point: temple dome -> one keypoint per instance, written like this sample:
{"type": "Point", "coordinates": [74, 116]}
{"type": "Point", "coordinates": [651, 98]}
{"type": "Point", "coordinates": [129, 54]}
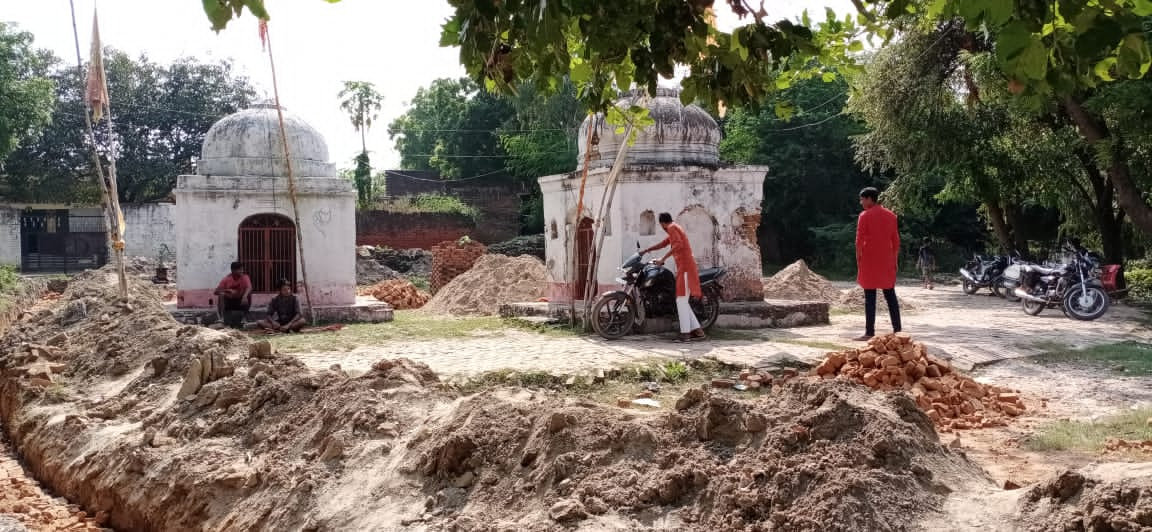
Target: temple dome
{"type": "Point", "coordinates": [248, 143]}
{"type": "Point", "coordinates": [683, 135]}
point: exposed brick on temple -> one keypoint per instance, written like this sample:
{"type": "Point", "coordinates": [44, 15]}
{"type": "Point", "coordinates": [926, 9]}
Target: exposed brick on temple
{"type": "Point", "coordinates": [405, 230]}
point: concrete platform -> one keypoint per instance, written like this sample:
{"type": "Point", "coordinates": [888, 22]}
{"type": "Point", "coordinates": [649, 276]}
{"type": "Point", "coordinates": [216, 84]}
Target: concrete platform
{"type": "Point", "coordinates": [365, 310]}
{"type": "Point", "coordinates": [767, 314]}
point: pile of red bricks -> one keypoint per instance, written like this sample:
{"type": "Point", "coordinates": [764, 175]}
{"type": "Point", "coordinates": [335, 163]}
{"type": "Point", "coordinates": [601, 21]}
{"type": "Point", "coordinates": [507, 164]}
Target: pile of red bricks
{"type": "Point", "coordinates": [22, 499]}
{"type": "Point", "coordinates": [400, 293]}
{"type": "Point", "coordinates": [952, 400]}
{"type": "Point", "coordinates": [453, 258]}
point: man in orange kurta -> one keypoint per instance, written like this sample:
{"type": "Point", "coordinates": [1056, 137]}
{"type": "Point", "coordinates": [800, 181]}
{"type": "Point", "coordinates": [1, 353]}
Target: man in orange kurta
{"type": "Point", "coordinates": [687, 276]}
{"type": "Point", "coordinates": [877, 249]}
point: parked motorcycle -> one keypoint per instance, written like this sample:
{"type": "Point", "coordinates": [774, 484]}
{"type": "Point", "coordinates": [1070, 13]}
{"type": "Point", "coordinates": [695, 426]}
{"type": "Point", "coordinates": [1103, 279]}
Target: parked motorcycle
{"type": "Point", "coordinates": [649, 290]}
{"type": "Point", "coordinates": [983, 272]}
{"type": "Point", "coordinates": [1074, 287]}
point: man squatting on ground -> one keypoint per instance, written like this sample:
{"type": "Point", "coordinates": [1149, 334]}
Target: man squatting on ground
{"type": "Point", "coordinates": [234, 296]}
{"type": "Point", "coordinates": [877, 249]}
{"type": "Point", "coordinates": [687, 276]}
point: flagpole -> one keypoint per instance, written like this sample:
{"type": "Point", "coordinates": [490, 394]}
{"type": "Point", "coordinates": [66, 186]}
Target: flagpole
{"type": "Point", "coordinates": [108, 192]}
{"type": "Point", "coordinates": [109, 197]}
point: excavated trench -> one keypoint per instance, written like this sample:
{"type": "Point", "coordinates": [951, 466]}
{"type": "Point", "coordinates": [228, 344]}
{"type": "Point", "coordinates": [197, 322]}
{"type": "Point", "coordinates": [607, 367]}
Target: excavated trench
{"type": "Point", "coordinates": [24, 502]}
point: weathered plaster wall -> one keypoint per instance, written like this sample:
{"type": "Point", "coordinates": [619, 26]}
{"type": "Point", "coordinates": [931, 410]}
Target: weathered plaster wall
{"type": "Point", "coordinates": [9, 236]}
{"type": "Point", "coordinates": [148, 227]}
{"type": "Point", "coordinates": [209, 211]}
{"type": "Point", "coordinates": [716, 208]}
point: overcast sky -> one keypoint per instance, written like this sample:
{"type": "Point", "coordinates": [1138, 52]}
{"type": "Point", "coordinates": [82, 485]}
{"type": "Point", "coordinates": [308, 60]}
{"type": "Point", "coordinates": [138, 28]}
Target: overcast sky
{"type": "Point", "coordinates": [391, 43]}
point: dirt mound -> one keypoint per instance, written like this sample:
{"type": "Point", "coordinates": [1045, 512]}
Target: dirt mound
{"type": "Point", "coordinates": [798, 282]}
{"type": "Point", "coordinates": [91, 383]}
{"type": "Point", "coordinates": [370, 272]}
{"type": "Point", "coordinates": [951, 399]}
{"type": "Point", "coordinates": [399, 293]}
{"type": "Point", "coordinates": [814, 456]}
{"type": "Point", "coordinates": [1073, 501]}
{"type": "Point", "coordinates": [493, 281]}
{"type": "Point", "coordinates": [852, 300]}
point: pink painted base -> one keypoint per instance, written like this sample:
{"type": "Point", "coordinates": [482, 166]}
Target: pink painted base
{"type": "Point", "coordinates": [562, 292]}
{"type": "Point", "coordinates": [322, 296]}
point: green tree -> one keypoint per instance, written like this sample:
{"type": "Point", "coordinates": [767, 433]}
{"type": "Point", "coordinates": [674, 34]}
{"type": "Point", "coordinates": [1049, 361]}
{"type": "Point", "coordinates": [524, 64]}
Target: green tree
{"type": "Point", "coordinates": [452, 126]}
{"type": "Point", "coordinates": [26, 100]}
{"type": "Point", "coordinates": [162, 113]}
{"type": "Point", "coordinates": [362, 103]}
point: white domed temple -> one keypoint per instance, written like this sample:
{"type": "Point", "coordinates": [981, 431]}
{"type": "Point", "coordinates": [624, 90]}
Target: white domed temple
{"type": "Point", "coordinates": [237, 208]}
{"type": "Point", "coordinates": [673, 166]}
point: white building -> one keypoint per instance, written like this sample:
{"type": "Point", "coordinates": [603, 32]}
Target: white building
{"type": "Point", "coordinates": [237, 207]}
{"type": "Point", "coordinates": [673, 167]}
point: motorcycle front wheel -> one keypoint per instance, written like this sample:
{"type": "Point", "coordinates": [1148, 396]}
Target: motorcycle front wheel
{"type": "Point", "coordinates": [707, 310]}
{"type": "Point", "coordinates": [613, 316]}
{"type": "Point", "coordinates": [969, 287]}
{"type": "Point", "coordinates": [1085, 304]}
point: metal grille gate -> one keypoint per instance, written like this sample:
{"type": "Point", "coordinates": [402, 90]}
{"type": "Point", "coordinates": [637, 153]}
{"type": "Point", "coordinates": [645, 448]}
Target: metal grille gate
{"type": "Point", "coordinates": [268, 250]}
{"type": "Point", "coordinates": [55, 241]}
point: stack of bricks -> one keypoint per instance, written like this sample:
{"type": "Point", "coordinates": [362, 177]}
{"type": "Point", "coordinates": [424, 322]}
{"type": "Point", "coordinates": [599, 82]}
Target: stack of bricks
{"type": "Point", "coordinates": [22, 499]}
{"type": "Point", "coordinates": [450, 259]}
{"type": "Point", "coordinates": [952, 400]}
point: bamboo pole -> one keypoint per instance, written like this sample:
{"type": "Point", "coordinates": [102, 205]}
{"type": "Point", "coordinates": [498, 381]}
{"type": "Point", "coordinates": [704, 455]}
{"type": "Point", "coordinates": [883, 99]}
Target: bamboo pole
{"type": "Point", "coordinates": [291, 182]}
{"type": "Point", "coordinates": [108, 189]}
{"type": "Point", "coordinates": [574, 238]}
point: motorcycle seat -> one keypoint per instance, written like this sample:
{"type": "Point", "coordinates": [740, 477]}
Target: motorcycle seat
{"type": "Point", "coordinates": [1034, 268]}
{"type": "Point", "coordinates": [710, 274]}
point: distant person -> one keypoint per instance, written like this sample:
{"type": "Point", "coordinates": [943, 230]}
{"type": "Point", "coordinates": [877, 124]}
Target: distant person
{"type": "Point", "coordinates": [687, 276]}
{"type": "Point", "coordinates": [926, 262]}
{"type": "Point", "coordinates": [283, 311]}
{"type": "Point", "coordinates": [235, 297]}
{"type": "Point", "coordinates": [877, 250]}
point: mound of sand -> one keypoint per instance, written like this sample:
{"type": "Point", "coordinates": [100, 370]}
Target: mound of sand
{"type": "Point", "coordinates": [798, 282]}
{"type": "Point", "coordinates": [493, 281]}
{"type": "Point", "coordinates": [1071, 500]}
{"type": "Point", "coordinates": [815, 456]}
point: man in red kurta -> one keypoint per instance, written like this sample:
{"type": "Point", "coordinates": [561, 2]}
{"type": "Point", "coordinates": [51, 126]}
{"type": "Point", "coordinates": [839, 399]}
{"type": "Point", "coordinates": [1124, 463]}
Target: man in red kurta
{"type": "Point", "coordinates": [687, 276]}
{"type": "Point", "coordinates": [877, 248]}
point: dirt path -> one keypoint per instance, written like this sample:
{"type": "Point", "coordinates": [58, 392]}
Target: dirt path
{"type": "Point", "coordinates": [971, 330]}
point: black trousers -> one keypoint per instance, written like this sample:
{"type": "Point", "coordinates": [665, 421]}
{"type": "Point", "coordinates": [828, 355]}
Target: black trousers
{"type": "Point", "coordinates": [870, 310]}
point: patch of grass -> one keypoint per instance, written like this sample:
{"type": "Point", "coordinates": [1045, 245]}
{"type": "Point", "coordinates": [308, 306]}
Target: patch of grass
{"type": "Point", "coordinates": [430, 203]}
{"type": "Point", "coordinates": [719, 333]}
{"type": "Point", "coordinates": [406, 325]}
{"type": "Point", "coordinates": [1128, 358]}
{"type": "Point", "coordinates": [1089, 436]}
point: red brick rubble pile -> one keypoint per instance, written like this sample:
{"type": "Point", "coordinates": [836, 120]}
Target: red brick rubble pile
{"type": "Point", "coordinates": [400, 293]}
{"type": "Point", "coordinates": [453, 258]}
{"type": "Point", "coordinates": [895, 362]}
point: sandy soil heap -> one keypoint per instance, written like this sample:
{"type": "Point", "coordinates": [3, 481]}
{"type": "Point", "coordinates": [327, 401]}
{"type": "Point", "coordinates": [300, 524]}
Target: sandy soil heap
{"type": "Point", "coordinates": [813, 456]}
{"type": "Point", "coordinates": [797, 282]}
{"type": "Point", "coordinates": [949, 398]}
{"type": "Point", "coordinates": [1074, 501]}
{"type": "Point", "coordinates": [493, 281]}
{"type": "Point", "coordinates": [400, 293]}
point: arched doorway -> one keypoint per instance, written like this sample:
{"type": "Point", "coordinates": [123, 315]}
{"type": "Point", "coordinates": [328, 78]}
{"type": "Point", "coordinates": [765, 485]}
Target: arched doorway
{"type": "Point", "coordinates": [268, 250]}
{"type": "Point", "coordinates": [584, 237]}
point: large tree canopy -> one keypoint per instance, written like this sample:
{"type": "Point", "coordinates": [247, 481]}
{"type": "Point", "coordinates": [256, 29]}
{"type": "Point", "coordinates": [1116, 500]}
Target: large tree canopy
{"type": "Point", "coordinates": [162, 113]}
{"type": "Point", "coordinates": [25, 90]}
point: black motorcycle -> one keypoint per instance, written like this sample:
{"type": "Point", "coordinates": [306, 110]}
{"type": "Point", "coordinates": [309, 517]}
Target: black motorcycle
{"type": "Point", "coordinates": [983, 272]}
{"type": "Point", "coordinates": [1074, 287]}
{"type": "Point", "coordinates": [649, 290]}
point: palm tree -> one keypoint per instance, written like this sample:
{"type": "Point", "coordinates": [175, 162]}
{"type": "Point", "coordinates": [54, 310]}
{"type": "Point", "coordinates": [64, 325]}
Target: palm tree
{"type": "Point", "coordinates": [362, 103]}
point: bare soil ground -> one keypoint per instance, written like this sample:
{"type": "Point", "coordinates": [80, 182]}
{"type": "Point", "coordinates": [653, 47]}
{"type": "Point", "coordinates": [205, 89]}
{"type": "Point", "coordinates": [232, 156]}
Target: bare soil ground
{"type": "Point", "coordinates": [89, 394]}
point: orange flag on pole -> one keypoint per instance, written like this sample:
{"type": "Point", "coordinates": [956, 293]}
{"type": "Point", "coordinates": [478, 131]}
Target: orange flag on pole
{"type": "Point", "coordinates": [97, 89]}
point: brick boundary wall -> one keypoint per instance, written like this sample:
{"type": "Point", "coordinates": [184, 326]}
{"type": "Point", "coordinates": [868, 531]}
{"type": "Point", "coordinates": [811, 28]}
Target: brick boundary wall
{"type": "Point", "coordinates": [410, 230]}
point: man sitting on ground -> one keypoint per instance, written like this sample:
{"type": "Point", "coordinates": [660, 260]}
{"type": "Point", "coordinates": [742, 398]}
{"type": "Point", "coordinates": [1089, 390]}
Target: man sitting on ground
{"type": "Point", "coordinates": [235, 296]}
{"type": "Point", "coordinates": [284, 311]}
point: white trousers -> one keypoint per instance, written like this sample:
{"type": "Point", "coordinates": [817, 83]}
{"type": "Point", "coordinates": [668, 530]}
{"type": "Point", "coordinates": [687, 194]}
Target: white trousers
{"type": "Point", "coordinates": [688, 321]}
